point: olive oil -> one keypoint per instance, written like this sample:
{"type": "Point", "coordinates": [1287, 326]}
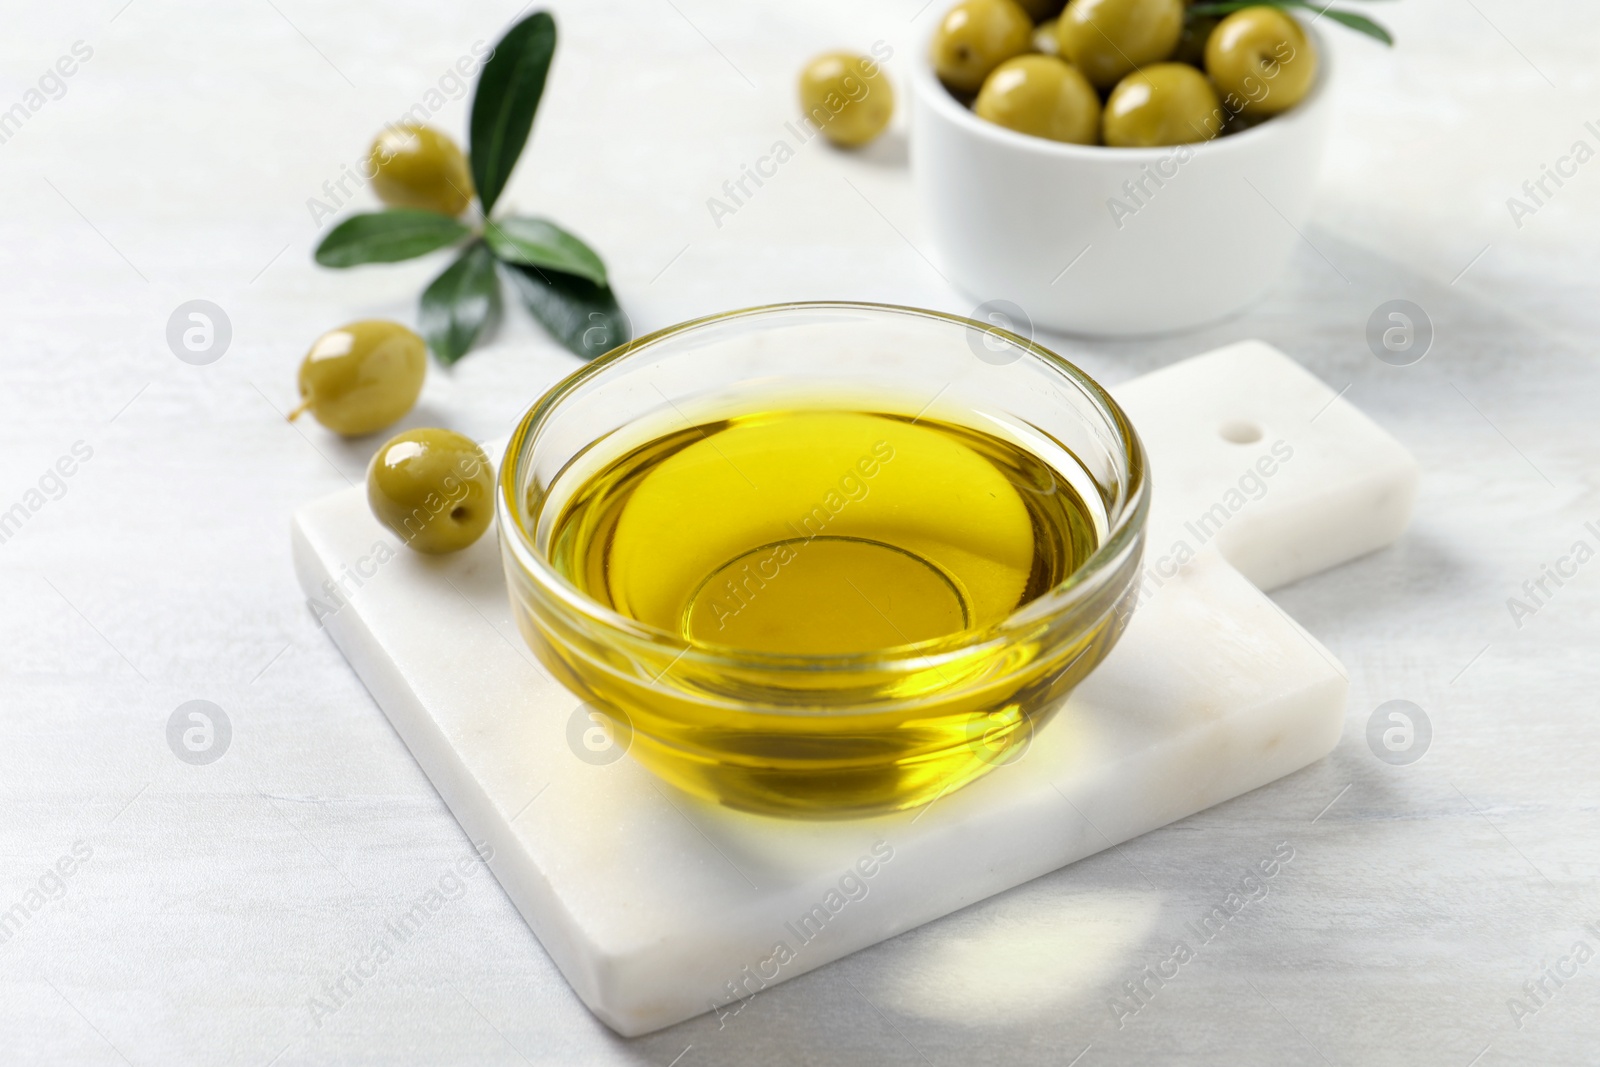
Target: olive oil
{"type": "Point", "coordinates": [821, 533]}
{"type": "Point", "coordinates": [825, 600]}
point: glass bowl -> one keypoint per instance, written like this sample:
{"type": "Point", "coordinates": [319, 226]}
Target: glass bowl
{"type": "Point", "coordinates": [826, 735]}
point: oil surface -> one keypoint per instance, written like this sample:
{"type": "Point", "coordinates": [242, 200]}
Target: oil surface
{"type": "Point", "coordinates": [821, 532]}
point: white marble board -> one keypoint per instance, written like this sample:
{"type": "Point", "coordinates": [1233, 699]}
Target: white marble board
{"type": "Point", "coordinates": [658, 907]}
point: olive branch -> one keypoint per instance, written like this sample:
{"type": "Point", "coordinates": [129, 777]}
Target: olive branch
{"type": "Point", "coordinates": [560, 279]}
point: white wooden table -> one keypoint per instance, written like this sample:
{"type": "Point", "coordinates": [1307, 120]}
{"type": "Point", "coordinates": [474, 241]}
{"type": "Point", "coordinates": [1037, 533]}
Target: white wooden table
{"type": "Point", "coordinates": [227, 912]}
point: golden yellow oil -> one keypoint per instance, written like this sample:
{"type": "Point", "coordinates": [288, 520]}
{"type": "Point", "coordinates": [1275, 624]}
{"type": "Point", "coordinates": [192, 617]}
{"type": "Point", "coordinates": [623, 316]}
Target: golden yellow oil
{"type": "Point", "coordinates": [821, 532]}
{"type": "Point", "coordinates": [863, 535]}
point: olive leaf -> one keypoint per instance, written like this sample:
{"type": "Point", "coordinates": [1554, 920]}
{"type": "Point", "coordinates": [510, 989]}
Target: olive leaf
{"type": "Point", "coordinates": [541, 243]}
{"type": "Point", "coordinates": [1359, 23]}
{"type": "Point", "coordinates": [387, 237]}
{"type": "Point", "coordinates": [459, 304]}
{"type": "Point", "coordinates": [504, 102]}
{"type": "Point", "coordinates": [581, 315]}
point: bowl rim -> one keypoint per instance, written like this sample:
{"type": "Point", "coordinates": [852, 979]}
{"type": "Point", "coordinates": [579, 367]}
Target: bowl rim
{"type": "Point", "coordinates": [1126, 532]}
{"type": "Point", "coordinates": [931, 92]}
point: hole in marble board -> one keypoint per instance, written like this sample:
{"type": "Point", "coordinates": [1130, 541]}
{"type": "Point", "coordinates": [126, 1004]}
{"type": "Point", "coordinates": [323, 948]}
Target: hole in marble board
{"type": "Point", "coordinates": [1240, 432]}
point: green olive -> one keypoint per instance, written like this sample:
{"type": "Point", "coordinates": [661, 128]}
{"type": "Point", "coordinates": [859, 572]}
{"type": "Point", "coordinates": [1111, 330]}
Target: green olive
{"type": "Point", "coordinates": [433, 488]}
{"type": "Point", "coordinates": [417, 166]}
{"type": "Point", "coordinates": [1260, 60]}
{"type": "Point", "coordinates": [977, 36]}
{"type": "Point", "coordinates": [362, 377]}
{"type": "Point", "coordinates": [1044, 38]}
{"type": "Point", "coordinates": [847, 96]}
{"type": "Point", "coordinates": [1043, 96]}
{"type": "Point", "coordinates": [1163, 104]}
{"type": "Point", "coordinates": [1106, 39]}
{"type": "Point", "coordinates": [1191, 47]}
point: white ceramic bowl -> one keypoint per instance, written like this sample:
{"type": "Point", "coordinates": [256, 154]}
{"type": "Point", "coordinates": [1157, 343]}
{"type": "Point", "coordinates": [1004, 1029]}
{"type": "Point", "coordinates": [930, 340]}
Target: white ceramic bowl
{"type": "Point", "coordinates": [1055, 229]}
